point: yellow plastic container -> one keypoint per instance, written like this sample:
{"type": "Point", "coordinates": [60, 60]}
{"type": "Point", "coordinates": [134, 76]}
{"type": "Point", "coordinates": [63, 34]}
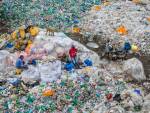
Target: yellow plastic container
{"type": "Point", "coordinates": [21, 42]}
{"type": "Point", "coordinates": [18, 71]}
{"type": "Point", "coordinates": [76, 30]}
{"type": "Point", "coordinates": [29, 42]}
{"type": "Point", "coordinates": [14, 35]}
{"type": "Point", "coordinates": [34, 31]}
{"type": "Point", "coordinates": [134, 48]}
{"type": "Point", "coordinates": [22, 33]}
{"type": "Point", "coordinates": [17, 45]}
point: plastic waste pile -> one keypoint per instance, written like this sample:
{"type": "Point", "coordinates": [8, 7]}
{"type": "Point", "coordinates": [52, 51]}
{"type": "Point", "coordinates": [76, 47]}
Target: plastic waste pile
{"type": "Point", "coordinates": [55, 13]}
{"type": "Point", "coordinates": [116, 20]}
{"type": "Point", "coordinates": [55, 85]}
{"type": "Point", "coordinates": [49, 87]}
{"type": "Point", "coordinates": [64, 95]}
{"type": "Point", "coordinates": [19, 40]}
{"type": "Point", "coordinates": [131, 69]}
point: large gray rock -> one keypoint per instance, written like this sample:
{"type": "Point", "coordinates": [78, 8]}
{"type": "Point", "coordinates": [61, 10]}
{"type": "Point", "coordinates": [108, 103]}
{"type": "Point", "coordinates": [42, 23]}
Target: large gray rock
{"type": "Point", "coordinates": [134, 68]}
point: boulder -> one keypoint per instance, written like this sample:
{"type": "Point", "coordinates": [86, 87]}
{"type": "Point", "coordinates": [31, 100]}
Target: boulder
{"type": "Point", "coordinates": [134, 68]}
{"type": "Point", "coordinates": [60, 51]}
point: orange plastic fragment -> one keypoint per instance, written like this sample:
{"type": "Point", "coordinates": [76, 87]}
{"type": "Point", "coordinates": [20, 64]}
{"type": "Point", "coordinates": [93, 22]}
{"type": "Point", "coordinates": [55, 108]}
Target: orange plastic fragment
{"type": "Point", "coordinates": [122, 30]}
{"type": "Point", "coordinates": [148, 19]}
{"type": "Point", "coordinates": [28, 48]}
{"type": "Point", "coordinates": [136, 1]}
{"type": "Point", "coordinates": [22, 33]}
{"type": "Point", "coordinates": [96, 8]}
{"type": "Point", "coordinates": [48, 92]}
{"type": "Point", "coordinates": [106, 3]}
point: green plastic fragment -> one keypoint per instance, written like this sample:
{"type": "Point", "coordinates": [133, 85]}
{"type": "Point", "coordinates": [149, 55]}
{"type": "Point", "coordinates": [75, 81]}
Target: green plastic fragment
{"type": "Point", "coordinates": [137, 108]}
{"type": "Point", "coordinates": [70, 109]}
{"type": "Point", "coordinates": [30, 98]}
{"type": "Point", "coordinates": [75, 102]}
{"type": "Point", "coordinates": [68, 96]}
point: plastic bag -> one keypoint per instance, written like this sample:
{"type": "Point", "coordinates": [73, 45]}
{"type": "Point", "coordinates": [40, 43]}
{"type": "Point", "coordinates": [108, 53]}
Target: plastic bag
{"type": "Point", "coordinates": [5, 60]}
{"type": "Point", "coordinates": [50, 71]}
{"type": "Point", "coordinates": [30, 75]}
{"type": "Point", "coordinates": [134, 68]}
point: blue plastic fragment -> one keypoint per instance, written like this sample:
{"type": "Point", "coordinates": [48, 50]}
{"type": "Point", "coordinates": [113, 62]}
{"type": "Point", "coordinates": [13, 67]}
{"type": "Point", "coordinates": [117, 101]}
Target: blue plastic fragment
{"type": "Point", "coordinates": [69, 66]}
{"type": "Point", "coordinates": [14, 81]}
{"type": "Point", "coordinates": [88, 62]}
{"type": "Point", "coordinates": [9, 45]}
{"type": "Point", "coordinates": [137, 91]}
{"type": "Point", "coordinates": [2, 88]}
